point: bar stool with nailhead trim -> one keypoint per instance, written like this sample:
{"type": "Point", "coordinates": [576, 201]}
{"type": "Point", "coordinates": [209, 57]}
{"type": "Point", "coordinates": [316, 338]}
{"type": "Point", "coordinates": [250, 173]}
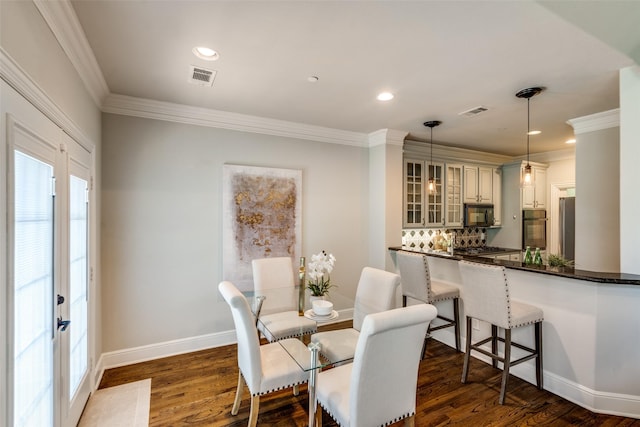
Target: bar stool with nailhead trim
{"type": "Point", "coordinates": [486, 297]}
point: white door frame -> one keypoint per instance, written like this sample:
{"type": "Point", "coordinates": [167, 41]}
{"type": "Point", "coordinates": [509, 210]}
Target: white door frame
{"type": "Point", "coordinates": [15, 102]}
{"type": "Point", "coordinates": [557, 190]}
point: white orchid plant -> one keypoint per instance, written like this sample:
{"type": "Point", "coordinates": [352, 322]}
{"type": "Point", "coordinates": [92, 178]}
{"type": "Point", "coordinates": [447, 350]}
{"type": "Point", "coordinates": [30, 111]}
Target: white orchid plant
{"type": "Point", "coordinates": [319, 272]}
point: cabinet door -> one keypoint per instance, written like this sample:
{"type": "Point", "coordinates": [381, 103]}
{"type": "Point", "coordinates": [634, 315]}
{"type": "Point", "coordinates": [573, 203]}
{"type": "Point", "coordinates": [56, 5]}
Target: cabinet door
{"type": "Point", "coordinates": [453, 204]}
{"type": "Point", "coordinates": [413, 215]}
{"type": "Point", "coordinates": [540, 185]}
{"type": "Point", "coordinates": [534, 196]}
{"type": "Point", "coordinates": [435, 201]}
{"type": "Point", "coordinates": [485, 185]}
{"type": "Point", "coordinates": [470, 184]}
{"type": "Point", "coordinates": [497, 196]}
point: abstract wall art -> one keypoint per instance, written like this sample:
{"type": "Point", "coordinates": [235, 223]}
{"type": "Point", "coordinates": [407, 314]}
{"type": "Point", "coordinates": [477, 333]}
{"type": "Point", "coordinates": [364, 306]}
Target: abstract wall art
{"type": "Point", "coordinates": [261, 218]}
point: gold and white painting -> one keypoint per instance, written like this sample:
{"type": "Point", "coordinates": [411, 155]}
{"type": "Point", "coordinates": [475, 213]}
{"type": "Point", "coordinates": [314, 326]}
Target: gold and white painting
{"type": "Point", "coordinates": [261, 218]}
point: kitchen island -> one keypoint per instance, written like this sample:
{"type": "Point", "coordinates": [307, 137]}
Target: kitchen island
{"type": "Point", "coordinates": [591, 329]}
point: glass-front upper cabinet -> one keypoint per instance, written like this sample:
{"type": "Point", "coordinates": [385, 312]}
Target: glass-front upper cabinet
{"type": "Point", "coordinates": [422, 207]}
{"type": "Point", "coordinates": [434, 195]}
{"type": "Point", "coordinates": [453, 204]}
{"type": "Point", "coordinates": [413, 193]}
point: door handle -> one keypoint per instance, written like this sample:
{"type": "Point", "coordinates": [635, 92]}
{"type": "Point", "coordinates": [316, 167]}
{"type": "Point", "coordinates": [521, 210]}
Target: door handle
{"type": "Point", "coordinates": [63, 324]}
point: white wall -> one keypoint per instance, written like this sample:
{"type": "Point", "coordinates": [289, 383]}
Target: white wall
{"type": "Point", "coordinates": [629, 170]}
{"type": "Point", "coordinates": [598, 200]}
{"type": "Point", "coordinates": [161, 228]}
{"type": "Point", "coordinates": [26, 37]}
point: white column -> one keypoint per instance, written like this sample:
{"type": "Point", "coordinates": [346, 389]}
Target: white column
{"type": "Point", "coordinates": [629, 169]}
{"type": "Point", "coordinates": [597, 191]}
{"type": "Point", "coordinates": [385, 195]}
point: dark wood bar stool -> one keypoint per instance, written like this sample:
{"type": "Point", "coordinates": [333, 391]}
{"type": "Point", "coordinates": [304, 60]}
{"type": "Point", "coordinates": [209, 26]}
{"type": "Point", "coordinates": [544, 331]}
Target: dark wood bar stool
{"type": "Point", "coordinates": [416, 282]}
{"type": "Point", "coordinates": [486, 297]}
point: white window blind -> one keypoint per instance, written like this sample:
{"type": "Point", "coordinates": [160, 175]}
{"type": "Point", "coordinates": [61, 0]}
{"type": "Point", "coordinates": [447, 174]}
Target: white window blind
{"type": "Point", "coordinates": [33, 292]}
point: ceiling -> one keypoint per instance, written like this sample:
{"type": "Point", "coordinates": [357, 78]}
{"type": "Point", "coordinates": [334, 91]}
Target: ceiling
{"type": "Point", "coordinates": [439, 58]}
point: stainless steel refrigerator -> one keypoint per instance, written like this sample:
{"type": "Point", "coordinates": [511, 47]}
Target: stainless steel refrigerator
{"type": "Point", "coordinates": [567, 227]}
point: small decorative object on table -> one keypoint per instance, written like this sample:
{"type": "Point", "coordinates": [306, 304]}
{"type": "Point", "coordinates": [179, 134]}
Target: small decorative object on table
{"type": "Point", "coordinates": [319, 270]}
{"type": "Point", "coordinates": [301, 274]}
{"type": "Point", "coordinates": [322, 308]}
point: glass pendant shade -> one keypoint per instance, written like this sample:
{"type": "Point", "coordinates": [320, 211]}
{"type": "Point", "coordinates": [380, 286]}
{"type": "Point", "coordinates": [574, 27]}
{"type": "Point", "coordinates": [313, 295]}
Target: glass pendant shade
{"type": "Point", "coordinates": [431, 185]}
{"type": "Point", "coordinates": [527, 178]}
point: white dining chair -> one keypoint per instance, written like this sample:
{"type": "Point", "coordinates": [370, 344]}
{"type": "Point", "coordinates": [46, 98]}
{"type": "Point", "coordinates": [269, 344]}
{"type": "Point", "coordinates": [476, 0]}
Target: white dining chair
{"type": "Point", "coordinates": [376, 292]}
{"type": "Point", "coordinates": [279, 318]}
{"type": "Point", "coordinates": [265, 368]}
{"type": "Point", "coordinates": [417, 284]}
{"type": "Point", "coordinates": [379, 387]}
{"type": "Point", "coordinates": [486, 297]}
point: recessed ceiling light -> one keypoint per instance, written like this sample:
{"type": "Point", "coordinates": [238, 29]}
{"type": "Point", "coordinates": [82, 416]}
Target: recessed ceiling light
{"type": "Point", "coordinates": [313, 79]}
{"type": "Point", "coordinates": [534, 132]}
{"type": "Point", "coordinates": [570, 141]}
{"type": "Point", "coordinates": [385, 96]}
{"type": "Point", "coordinates": [205, 53]}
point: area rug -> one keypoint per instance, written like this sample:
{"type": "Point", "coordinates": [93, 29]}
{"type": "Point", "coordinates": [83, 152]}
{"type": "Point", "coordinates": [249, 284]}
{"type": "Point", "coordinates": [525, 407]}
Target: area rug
{"type": "Point", "coordinates": [123, 405]}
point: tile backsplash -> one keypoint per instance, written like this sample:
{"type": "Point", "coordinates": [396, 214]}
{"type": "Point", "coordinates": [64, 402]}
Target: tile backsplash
{"type": "Point", "coordinates": [424, 238]}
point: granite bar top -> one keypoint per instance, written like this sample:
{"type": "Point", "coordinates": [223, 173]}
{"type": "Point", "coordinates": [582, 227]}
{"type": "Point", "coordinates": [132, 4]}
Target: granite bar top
{"type": "Point", "coordinates": [568, 272]}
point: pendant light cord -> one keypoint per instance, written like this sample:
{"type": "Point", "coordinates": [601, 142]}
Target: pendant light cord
{"type": "Point", "coordinates": [528, 128]}
{"type": "Point", "coordinates": [431, 161]}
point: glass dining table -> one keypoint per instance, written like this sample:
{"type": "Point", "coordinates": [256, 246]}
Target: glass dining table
{"type": "Point", "coordinates": [278, 300]}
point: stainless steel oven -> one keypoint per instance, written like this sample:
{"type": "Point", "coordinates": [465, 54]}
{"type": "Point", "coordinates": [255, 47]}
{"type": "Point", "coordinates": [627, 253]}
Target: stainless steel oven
{"type": "Point", "coordinates": [534, 228]}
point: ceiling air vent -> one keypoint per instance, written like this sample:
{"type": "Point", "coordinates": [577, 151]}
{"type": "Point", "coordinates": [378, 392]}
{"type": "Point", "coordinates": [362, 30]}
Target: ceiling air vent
{"type": "Point", "coordinates": [201, 76]}
{"type": "Point", "coordinates": [474, 111]}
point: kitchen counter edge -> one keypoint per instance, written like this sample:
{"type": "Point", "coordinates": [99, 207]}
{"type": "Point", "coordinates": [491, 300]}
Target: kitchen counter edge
{"type": "Point", "coordinates": [591, 276]}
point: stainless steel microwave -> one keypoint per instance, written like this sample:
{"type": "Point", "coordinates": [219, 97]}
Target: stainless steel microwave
{"type": "Point", "coordinates": [478, 215]}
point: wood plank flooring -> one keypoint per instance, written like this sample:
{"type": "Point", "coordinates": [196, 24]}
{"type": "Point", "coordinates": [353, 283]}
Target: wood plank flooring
{"type": "Point", "coordinates": [197, 389]}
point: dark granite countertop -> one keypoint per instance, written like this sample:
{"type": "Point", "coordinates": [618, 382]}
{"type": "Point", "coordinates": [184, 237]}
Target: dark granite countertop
{"type": "Point", "coordinates": [571, 273]}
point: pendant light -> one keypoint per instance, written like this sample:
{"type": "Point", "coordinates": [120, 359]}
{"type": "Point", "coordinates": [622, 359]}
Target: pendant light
{"type": "Point", "coordinates": [431, 184]}
{"type": "Point", "coordinates": [527, 179]}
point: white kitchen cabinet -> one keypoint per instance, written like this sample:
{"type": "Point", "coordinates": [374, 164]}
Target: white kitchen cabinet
{"type": "Point", "coordinates": [535, 196]}
{"type": "Point", "coordinates": [497, 196]}
{"type": "Point", "coordinates": [453, 201]}
{"type": "Point", "coordinates": [422, 209]}
{"type": "Point", "coordinates": [478, 184]}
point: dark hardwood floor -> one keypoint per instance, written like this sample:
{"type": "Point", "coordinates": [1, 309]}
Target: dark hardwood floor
{"type": "Point", "coordinates": [197, 389]}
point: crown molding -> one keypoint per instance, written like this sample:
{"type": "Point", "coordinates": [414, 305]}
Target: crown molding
{"type": "Point", "coordinates": [63, 22]}
{"type": "Point", "coordinates": [386, 137]}
{"type": "Point", "coordinates": [179, 113]}
{"type": "Point", "coordinates": [18, 79]}
{"type": "Point", "coordinates": [594, 122]}
{"type": "Point", "coordinates": [421, 150]}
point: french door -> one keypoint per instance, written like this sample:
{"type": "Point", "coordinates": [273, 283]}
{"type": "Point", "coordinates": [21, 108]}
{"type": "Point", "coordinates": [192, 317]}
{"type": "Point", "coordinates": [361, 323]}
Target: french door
{"type": "Point", "coordinates": [47, 288]}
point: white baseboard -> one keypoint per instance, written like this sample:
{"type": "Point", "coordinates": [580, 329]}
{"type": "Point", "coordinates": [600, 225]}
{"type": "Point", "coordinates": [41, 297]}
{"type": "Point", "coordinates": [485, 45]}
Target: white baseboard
{"type": "Point", "coordinates": [623, 405]}
{"type": "Point", "coordinates": [129, 356]}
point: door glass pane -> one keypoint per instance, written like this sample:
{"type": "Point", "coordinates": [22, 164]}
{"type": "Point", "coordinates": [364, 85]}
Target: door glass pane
{"type": "Point", "coordinates": [33, 292]}
{"type": "Point", "coordinates": [78, 252]}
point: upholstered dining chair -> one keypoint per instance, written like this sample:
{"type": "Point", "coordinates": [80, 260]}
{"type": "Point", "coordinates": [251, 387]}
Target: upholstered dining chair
{"type": "Point", "coordinates": [265, 368]}
{"type": "Point", "coordinates": [379, 387]}
{"type": "Point", "coordinates": [279, 318]}
{"type": "Point", "coordinates": [416, 283]}
{"type": "Point", "coordinates": [376, 292]}
{"type": "Point", "coordinates": [486, 297]}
